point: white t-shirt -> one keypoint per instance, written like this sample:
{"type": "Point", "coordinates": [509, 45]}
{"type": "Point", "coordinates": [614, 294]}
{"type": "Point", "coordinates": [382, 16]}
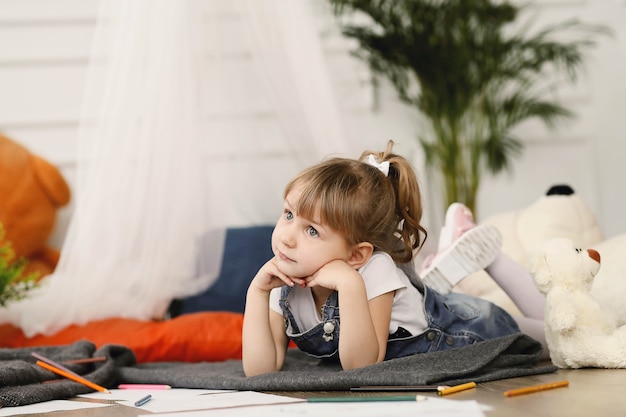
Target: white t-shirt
{"type": "Point", "coordinates": [381, 275]}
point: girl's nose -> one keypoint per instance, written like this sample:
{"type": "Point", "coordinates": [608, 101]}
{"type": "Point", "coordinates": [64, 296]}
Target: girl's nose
{"type": "Point", "coordinates": [287, 237]}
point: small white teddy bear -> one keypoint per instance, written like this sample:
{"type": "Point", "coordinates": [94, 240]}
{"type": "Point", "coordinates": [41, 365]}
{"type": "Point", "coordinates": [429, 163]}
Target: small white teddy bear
{"type": "Point", "coordinates": [579, 332]}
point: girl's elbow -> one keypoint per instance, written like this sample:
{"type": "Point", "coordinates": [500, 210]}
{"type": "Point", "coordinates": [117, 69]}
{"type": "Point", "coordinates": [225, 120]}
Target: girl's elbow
{"type": "Point", "coordinates": [257, 370]}
{"type": "Point", "coordinates": [252, 372]}
{"type": "Point", "coordinates": [381, 355]}
{"type": "Point", "coordinates": [360, 362]}
{"type": "Point", "coordinates": [258, 367]}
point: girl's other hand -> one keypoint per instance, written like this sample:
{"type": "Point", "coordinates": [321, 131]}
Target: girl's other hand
{"type": "Point", "coordinates": [331, 275]}
{"type": "Point", "coordinates": [269, 277]}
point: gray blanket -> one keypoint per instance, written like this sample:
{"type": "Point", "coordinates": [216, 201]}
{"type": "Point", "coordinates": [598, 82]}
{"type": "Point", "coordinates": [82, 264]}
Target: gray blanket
{"type": "Point", "coordinates": [505, 357]}
{"type": "Point", "coordinates": [23, 382]}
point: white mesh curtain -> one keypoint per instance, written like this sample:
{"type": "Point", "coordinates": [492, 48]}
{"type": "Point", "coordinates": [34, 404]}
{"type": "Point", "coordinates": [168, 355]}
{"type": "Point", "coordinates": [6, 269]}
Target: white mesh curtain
{"type": "Point", "coordinates": [196, 114]}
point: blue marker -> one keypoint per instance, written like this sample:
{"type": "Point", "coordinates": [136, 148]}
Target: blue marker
{"type": "Point", "coordinates": [143, 400]}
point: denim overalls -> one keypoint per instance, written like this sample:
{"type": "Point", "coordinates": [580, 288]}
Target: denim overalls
{"type": "Point", "coordinates": [454, 320]}
{"type": "Point", "coordinates": [322, 341]}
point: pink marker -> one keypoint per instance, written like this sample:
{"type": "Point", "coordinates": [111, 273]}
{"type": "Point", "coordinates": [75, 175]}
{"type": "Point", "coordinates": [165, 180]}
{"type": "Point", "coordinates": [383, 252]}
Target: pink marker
{"type": "Point", "coordinates": [144, 386]}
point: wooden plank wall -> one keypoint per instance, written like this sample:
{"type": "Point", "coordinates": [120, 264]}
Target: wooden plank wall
{"type": "Point", "coordinates": [44, 49]}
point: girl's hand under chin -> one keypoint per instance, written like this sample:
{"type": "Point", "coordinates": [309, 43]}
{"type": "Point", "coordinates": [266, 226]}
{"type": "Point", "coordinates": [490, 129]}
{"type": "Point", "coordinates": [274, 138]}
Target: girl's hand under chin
{"type": "Point", "coordinates": [270, 277]}
{"type": "Point", "coordinates": [331, 274]}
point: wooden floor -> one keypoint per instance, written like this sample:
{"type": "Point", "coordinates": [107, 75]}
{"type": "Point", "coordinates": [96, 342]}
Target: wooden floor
{"type": "Point", "coordinates": [591, 392]}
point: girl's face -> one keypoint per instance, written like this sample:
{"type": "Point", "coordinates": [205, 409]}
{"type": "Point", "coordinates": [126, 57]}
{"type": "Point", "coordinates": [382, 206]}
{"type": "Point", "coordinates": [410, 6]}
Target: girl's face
{"type": "Point", "coordinates": [302, 246]}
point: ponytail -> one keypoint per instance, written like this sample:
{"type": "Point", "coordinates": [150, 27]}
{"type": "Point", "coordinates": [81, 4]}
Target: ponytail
{"type": "Point", "coordinates": [408, 203]}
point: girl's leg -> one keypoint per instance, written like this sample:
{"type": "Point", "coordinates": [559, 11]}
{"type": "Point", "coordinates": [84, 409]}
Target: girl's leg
{"type": "Point", "coordinates": [519, 285]}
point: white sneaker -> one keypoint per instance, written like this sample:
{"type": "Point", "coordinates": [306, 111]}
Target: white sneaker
{"type": "Point", "coordinates": [463, 249]}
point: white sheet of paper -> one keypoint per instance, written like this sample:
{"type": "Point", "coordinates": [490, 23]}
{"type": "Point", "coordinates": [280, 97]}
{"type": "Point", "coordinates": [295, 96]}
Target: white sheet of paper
{"type": "Point", "coordinates": [211, 401]}
{"type": "Point", "coordinates": [433, 407]}
{"type": "Point", "coordinates": [135, 394]}
{"type": "Point", "coordinates": [47, 406]}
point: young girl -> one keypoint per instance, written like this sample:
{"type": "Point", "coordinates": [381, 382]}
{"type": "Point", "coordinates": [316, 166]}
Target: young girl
{"type": "Point", "coordinates": [342, 284]}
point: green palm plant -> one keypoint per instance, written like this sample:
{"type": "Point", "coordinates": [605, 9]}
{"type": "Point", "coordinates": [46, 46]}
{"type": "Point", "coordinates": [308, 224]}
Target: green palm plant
{"type": "Point", "coordinates": [473, 71]}
{"type": "Point", "coordinates": [14, 285]}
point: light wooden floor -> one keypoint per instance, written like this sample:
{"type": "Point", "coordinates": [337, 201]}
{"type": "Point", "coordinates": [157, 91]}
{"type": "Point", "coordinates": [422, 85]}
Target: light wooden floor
{"type": "Point", "coordinates": [591, 392]}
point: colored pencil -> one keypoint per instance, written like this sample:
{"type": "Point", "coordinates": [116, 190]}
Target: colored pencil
{"type": "Point", "coordinates": [86, 360]}
{"type": "Point", "coordinates": [73, 377]}
{"type": "Point", "coordinates": [535, 388]}
{"type": "Point", "coordinates": [399, 388]}
{"type": "Point", "coordinates": [457, 388]}
{"type": "Point", "coordinates": [144, 386]}
{"type": "Point", "coordinates": [365, 399]}
{"type": "Point", "coordinates": [53, 363]}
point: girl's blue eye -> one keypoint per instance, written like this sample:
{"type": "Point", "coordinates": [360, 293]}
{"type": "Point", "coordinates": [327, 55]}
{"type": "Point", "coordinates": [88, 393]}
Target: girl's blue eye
{"type": "Point", "coordinates": [288, 215]}
{"type": "Point", "coordinates": [312, 231]}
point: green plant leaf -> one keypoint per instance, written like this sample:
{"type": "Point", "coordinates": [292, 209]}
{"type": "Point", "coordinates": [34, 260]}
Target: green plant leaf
{"type": "Point", "coordinates": [475, 69]}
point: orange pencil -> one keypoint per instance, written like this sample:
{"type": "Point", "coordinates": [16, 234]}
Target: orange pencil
{"type": "Point", "coordinates": [456, 388]}
{"type": "Point", "coordinates": [535, 388]}
{"type": "Point", "coordinates": [74, 378]}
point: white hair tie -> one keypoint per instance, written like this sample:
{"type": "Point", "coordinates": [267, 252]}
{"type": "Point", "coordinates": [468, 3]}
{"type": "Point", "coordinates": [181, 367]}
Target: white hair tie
{"type": "Point", "coordinates": [382, 166]}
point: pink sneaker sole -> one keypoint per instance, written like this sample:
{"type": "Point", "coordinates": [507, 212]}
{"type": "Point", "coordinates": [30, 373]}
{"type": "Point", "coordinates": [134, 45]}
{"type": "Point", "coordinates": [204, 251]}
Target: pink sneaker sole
{"type": "Point", "coordinates": [473, 251]}
{"type": "Point", "coordinates": [459, 219]}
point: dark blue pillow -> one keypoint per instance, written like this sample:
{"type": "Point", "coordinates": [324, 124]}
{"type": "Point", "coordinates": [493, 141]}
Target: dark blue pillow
{"type": "Point", "coordinates": [246, 249]}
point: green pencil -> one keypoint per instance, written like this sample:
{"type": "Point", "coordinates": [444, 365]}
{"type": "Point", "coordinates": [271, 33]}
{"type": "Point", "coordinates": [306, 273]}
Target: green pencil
{"type": "Point", "coordinates": [362, 399]}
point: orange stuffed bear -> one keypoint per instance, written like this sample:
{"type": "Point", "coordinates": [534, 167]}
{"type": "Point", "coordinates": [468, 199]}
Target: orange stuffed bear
{"type": "Point", "coordinates": [31, 191]}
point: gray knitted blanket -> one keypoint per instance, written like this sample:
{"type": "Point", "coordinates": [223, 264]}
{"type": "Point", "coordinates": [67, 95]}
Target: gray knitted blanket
{"type": "Point", "coordinates": [23, 382]}
{"type": "Point", "coordinates": [506, 357]}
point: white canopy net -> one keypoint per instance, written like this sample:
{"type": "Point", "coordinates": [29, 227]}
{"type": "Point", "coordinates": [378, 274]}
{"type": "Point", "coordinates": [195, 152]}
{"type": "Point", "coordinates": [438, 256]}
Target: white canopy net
{"type": "Point", "coordinates": [170, 152]}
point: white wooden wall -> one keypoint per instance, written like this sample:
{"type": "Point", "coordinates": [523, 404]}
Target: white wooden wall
{"type": "Point", "coordinates": [44, 48]}
{"type": "Point", "coordinates": [589, 152]}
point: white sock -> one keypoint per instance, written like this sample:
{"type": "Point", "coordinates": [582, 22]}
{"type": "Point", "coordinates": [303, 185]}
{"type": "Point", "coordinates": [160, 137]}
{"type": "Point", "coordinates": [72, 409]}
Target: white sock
{"type": "Point", "coordinates": [519, 285]}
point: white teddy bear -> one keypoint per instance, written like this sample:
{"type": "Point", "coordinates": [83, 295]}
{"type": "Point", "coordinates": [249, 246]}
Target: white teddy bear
{"type": "Point", "coordinates": [579, 331]}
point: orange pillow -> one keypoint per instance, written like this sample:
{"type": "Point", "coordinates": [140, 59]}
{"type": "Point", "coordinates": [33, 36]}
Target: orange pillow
{"type": "Point", "coordinates": [205, 336]}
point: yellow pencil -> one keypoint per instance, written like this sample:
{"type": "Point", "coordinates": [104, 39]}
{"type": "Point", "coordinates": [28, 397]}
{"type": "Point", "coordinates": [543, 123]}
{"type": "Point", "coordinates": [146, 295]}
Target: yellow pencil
{"type": "Point", "coordinates": [456, 388]}
{"type": "Point", "coordinates": [535, 388]}
{"type": "Point", "coordinates": [74, 378]}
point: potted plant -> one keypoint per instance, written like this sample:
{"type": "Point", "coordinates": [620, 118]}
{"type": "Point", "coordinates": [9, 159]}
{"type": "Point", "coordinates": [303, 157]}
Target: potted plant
{"type": "Point", "coordinates": [473, 71]}
{"type": "Point", "coordinates": [14, 285]}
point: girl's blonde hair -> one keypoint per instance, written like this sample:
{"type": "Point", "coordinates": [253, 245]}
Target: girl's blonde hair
{"type": "Point", "coordinates": [359, 201]}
